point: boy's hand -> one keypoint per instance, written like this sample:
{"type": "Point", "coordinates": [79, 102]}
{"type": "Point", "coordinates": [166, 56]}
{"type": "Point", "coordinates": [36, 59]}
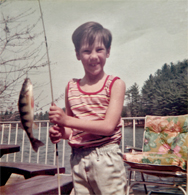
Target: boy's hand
{"type": "Point", "coordinates": [55, 134]}
{"type": "Point", "coordinates": [57, 115]}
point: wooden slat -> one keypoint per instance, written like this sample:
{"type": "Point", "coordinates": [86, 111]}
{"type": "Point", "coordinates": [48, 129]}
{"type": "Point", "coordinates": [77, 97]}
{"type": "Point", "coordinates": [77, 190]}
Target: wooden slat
{"type": "Point", "coordinates": [8, 148]}
{"type": "Point", "coordinates": [39, 185]}
{"type": "Point", "coordinates": [28, 170]}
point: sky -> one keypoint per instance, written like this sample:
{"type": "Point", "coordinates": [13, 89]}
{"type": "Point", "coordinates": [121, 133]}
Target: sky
{"type": "Point", "coordinates": [146, 35]}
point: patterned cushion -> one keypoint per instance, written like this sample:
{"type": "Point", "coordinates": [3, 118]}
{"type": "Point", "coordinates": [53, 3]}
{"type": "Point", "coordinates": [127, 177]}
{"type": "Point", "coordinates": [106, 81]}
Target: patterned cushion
{"type": "Point", "coordinates": [165, 142]}
{"type": "Point", "coordinates": [168, 134]}
{"type": "Point", "coordinates": [153, 158]}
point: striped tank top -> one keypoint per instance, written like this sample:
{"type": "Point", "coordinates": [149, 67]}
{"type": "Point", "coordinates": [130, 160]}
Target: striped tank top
{"type": "Point", "coordinates": [91, 106]}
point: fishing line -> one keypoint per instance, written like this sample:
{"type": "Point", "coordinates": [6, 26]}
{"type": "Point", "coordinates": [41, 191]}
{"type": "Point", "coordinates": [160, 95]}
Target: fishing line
{"type": "Point", "coordinates": [49, 69]}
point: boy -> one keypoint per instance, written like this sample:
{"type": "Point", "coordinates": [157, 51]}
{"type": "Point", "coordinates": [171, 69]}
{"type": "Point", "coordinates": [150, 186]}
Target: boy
{"type": "Point", "coordinates": [92, 120]}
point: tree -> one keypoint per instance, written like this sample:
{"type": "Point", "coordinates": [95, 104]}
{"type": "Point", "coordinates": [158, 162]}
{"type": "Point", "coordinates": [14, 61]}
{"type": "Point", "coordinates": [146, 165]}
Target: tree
{"type": "Point", "coordinates": [133, 97]}
{"type": "Point", "coordinates": [149, 97]}
{"type": "Point", "coordinates": [166, 93]}
{"type": "Point", "coordinates": [46, 115]}
{"type": "Point", "coordinates": [20, 53]}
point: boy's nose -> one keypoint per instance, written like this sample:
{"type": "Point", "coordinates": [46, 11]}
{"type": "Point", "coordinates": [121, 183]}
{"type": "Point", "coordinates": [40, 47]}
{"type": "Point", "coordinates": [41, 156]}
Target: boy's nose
{"type": "Point", "coordinates": [93, 55]}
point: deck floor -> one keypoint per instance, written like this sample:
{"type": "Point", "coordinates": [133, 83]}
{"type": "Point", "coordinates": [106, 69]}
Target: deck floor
{"type": "Point", "coordinates": [137, 190]}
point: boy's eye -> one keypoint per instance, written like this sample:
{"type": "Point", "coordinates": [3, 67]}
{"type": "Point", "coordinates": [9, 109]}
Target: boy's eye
{"type": "Point", "coordinates": [100, 49]}
{"type": "Point", "coordinates": [86, 51]}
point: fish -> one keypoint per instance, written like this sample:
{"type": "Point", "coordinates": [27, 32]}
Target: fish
{"type": "Point", "coordinates": [26, 111]}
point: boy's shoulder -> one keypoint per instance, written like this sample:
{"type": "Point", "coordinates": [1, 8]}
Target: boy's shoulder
{"type": "Point", "coordinates": [73, 80]}
{"type": "Point", "coordinates": [115, 79]}
{"type": "Point", "coordinates": [112, 77]}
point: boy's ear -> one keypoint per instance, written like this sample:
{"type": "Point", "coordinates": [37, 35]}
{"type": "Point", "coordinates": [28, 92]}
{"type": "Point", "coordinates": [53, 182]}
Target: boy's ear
{"type": "Point", "coordinates": [77, 55]}
{"type": "Point", "coordinates": [108, 52]}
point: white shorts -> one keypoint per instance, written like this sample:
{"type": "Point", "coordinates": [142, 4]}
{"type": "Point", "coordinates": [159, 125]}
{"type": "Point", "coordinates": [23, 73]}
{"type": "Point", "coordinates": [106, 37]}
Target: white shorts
{"type": "Point", "coordinates": [98, 171]}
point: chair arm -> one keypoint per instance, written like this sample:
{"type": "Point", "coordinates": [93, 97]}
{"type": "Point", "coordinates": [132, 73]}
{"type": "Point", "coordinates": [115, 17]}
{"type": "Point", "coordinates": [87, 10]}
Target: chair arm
{"type": "Point", "coordinates": [131, 148]}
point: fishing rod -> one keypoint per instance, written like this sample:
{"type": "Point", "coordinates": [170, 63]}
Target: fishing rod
{"type": "Point", "coordinates": [49, 70]}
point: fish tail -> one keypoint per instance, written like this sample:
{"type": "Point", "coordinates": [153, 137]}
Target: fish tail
{"type": "Point", "coordinates": [36, 144]}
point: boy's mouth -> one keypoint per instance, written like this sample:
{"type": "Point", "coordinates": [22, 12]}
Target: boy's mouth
{"type": "Point", "coordinates": [93, 65]}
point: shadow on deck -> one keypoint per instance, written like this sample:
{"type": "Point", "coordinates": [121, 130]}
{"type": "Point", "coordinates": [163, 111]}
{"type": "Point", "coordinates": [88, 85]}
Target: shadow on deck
{"type": "Point", "coordinates": [137, 189]}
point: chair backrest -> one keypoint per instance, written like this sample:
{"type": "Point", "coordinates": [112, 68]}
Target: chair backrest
{"type": "Point", "coordinates": [166, 134]}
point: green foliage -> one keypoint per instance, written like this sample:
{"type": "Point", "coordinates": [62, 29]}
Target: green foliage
{"type": "Point", "coordinates": [166, 93]}
{"type": "Point", "coordinates": [133, 97]}
{"type": "Point", "coordinates": [41, 116]}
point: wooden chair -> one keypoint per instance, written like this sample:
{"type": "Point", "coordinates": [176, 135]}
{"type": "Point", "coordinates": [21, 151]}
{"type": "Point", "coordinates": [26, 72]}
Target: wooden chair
{"type": "Point", "coordinates": [164, 152]}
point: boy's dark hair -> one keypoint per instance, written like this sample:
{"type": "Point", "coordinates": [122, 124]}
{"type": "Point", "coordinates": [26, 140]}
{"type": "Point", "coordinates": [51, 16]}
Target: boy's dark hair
{"type": "Point", "coordinates": [88, 32]}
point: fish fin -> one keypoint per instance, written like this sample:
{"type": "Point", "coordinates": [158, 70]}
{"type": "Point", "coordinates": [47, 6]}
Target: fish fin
{"type": "Point", "coordinates": [36, 144]}
{"type": "Point", "coordinates": [21, 125]}
{"type": "Point", "coordinates": [35, 126]}
{"type": "Point", "coordinates": [32, 102]}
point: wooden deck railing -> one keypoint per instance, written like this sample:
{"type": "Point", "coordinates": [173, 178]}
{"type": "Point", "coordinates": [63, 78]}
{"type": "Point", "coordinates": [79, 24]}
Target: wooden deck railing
{"type": "Point", "coordinates": [11, 133]}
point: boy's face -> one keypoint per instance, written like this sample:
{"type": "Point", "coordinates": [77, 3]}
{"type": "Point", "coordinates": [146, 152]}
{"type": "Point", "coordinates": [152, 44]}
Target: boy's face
{"type": "Point", "coordinates": [93, 57]}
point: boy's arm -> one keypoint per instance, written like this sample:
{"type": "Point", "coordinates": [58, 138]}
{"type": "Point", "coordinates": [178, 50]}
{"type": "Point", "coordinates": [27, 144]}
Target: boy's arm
{"type": "Point", "coordinates": [100, 127]}
{"type": "Point", "coordinates": [69, 113]}
{"type": "Point", "coordinates": [56, 132]}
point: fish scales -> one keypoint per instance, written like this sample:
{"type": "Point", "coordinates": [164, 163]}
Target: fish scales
{"type": "Point", "coordinates": [26, 110]}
